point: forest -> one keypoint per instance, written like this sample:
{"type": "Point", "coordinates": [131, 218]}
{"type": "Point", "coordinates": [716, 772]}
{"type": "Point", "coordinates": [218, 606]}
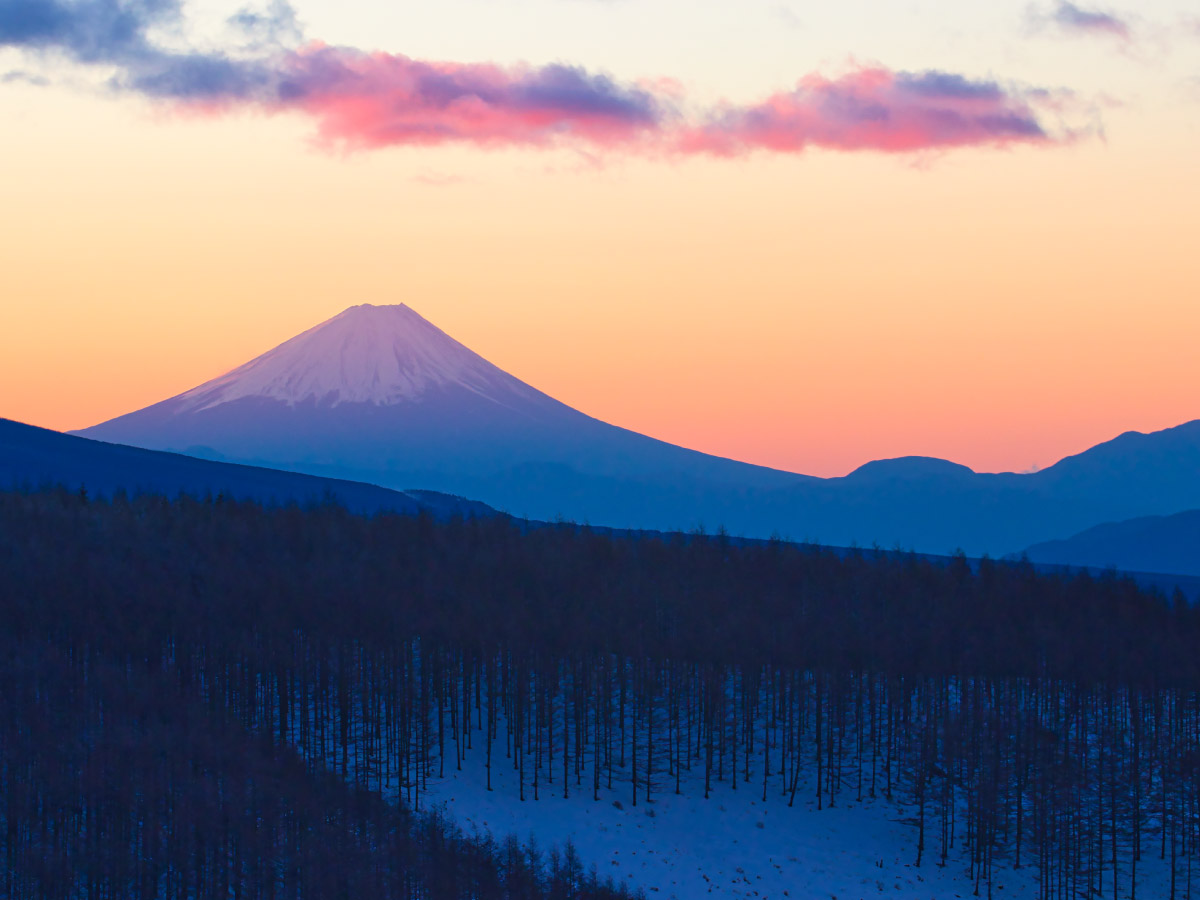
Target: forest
{"type": "Point", "coordinates": [201, 697]}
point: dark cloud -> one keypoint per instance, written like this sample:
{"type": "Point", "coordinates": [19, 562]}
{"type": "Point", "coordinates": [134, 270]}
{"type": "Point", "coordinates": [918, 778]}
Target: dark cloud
{"type": "Point", "coordinates": [198, 77]}
{"type": "Point", "coordinates": [118, 33]}
{"type": "Point", "coordinates": [947, 85]}
{"type": "Point", "coordinates": [572, 88]}
{"type": "Point", "coordinates": [90, 31]}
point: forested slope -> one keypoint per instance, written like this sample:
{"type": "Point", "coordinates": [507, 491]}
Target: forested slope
{"type": "Point", "coordinates": [38, 456]}
{"type": "Point", "coordinates": [1030, 720]}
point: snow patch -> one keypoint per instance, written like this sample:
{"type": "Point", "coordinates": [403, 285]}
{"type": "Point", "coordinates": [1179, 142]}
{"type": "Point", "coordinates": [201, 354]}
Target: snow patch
{"type": "Point", "coordinates": [735, 845]}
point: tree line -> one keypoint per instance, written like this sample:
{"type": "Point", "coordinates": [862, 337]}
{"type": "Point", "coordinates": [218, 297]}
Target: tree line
{"type": "Point", "coordinates": [172, 665]}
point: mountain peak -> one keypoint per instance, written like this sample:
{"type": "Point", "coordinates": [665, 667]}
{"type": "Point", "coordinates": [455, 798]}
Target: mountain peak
{"type": "Point", "coordinates": [370, 354]}
{"type": "Point", "coordinates": [909, 468]}
{"type": "Point", "coordinates": [367, 307]}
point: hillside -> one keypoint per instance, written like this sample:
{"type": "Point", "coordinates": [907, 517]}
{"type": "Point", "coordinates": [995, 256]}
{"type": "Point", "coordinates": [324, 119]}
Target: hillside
{"type": "Point", "coordinates": [34, 457]}
{"type": "Point", "coordinates": [1146, 544]}
{"type": "Point", "coordinates": [965, 730]}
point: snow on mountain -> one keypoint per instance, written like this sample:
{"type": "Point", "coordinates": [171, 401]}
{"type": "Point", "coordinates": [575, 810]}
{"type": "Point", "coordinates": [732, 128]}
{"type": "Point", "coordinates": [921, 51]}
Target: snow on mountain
{"type": "Point", "coordinates": [379, 355]}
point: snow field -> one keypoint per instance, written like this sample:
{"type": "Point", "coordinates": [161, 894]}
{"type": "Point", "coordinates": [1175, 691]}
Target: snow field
{"type": "Point", "coordinates": [732, 845]}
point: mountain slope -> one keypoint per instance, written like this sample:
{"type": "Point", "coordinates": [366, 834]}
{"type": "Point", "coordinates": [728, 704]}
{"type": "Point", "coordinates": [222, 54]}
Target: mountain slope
{"type": "Point", "coordinates": [379, 394]}
{"type": "Point", "coordinates": [1146, 544]}
{"type": "Point", "coordinates": [35, 456]}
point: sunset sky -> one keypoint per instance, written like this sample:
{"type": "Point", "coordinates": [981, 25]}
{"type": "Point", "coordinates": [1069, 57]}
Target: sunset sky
{"type": "Point", "coordinates": [802, 235]}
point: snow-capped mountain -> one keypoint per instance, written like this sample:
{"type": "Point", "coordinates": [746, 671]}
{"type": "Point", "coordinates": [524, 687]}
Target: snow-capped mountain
{"type": "Point", "coordinates": [380, 395]}
{"type": "Point", "coordinates": [378, 355]}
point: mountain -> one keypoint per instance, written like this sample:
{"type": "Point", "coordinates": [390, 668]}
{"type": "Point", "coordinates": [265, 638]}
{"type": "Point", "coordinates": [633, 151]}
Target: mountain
{"type": "Point", "coordinates": [1146, 544]}
{"type": "Point", "coordinates": [379, 394]}
{"type": "Point", "coordinates": [34, 457]}
{"type": "Point", "coordinates": [934, 506]}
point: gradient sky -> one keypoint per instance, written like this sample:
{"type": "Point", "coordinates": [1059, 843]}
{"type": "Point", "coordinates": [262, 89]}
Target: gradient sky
{"type": "Point", "coordinates": [803, 235]}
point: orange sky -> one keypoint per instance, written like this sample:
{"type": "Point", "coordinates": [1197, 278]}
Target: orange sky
{"type": "Point", "coordinates": [1001, 308]}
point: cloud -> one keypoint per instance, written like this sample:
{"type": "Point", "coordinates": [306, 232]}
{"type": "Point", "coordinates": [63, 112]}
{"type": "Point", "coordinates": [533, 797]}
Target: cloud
{"type": "Point", "coordinates": [358, 99]}
{"type": "Point", "coordinates": [1074, 19]}
{"type": "Point", "coordinates": [1091, 21]}
{"type": "Point", "coordinates": [118, 33]}
{"type": "Point", "coordinates": [874, 109]}
{"type": "Point", "coordinates": [380, 99]}
{"type": "Point", "coordinates": [90, 31]}
{"type": "Point", "coordinates": [16, 76]}
{"type": "Point", "coordinates": [276, 26]}
{"type": "Point", "coordinates": [785, 15]}
{"type": "Point", "coordinates": [361, 100]}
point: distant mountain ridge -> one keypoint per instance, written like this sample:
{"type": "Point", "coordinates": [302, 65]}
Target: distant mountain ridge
{"type": "Point", "coordinates": [378, 394]}
{"type": "Point", "coordinates": [1146, 544]}
{"type": "Point", "coordinates": [36, 457]}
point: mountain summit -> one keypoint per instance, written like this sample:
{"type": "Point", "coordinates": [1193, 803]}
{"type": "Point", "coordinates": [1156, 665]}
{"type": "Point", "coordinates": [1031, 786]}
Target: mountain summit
{"type": "Point", "coordinates": [379, 355]}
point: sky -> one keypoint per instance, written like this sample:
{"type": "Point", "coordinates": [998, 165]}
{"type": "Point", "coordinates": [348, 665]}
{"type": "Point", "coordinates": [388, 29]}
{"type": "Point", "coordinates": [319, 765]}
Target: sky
{"type": "Point", "coordinates": [802, 235]}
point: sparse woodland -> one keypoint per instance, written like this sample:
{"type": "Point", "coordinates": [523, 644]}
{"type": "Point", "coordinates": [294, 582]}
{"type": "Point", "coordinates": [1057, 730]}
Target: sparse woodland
{"type": "Point", "coordinates": [207, 698]}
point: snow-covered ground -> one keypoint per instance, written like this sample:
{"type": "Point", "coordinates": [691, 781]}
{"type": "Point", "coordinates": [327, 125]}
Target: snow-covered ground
{"type": "Point", "coordinates": [732, 845]}
{"type": "Point", "coordinates": [735, 844]}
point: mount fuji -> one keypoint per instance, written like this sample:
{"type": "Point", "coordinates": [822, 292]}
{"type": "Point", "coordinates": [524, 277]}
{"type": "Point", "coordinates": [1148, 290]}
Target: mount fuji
{"type": "Point", "coordinates": [380, 395]}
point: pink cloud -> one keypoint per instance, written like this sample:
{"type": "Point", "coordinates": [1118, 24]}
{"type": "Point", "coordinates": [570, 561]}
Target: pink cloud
{"type": "Point", "coordinates": [380, 99]}
{"type": "Point", "coordinates": [872, 109]}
